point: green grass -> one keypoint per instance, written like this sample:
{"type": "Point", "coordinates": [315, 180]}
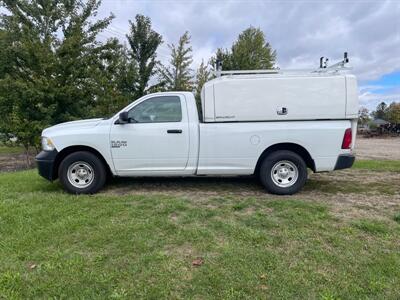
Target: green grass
{"type": "Point", "coordinates": [110, 246]}
{"type": "Point", "coordinates": [10, 150]}
{"type": "Point", "coordinates": [397, 217]}
{"type": "Point", "coordinates": [372, 226]}
{"type": "Point", "coordinates": [335, 187]}
{"type": "Point", "coordinates": [378, 165]}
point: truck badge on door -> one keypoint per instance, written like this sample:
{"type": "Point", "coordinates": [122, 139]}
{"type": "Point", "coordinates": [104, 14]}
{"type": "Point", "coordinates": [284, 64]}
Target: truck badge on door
{"type": "Point", "coordinates": [118, 144]}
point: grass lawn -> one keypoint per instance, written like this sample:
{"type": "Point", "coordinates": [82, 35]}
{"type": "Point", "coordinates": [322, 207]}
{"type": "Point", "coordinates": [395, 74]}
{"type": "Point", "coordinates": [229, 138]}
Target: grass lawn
{"type": "Point", "coordinates": [378, 165]}
{"type": "Point", "coordinates": [10, 150]}
{"type": "Point", "coordinates": [117, 245]}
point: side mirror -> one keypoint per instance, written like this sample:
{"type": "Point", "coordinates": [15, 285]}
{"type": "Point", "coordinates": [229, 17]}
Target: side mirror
{"type": "Point", "coordinates": [123, 118]}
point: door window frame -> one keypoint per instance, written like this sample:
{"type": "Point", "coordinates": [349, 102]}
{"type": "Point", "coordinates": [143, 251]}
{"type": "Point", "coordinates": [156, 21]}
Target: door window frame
{"type": "Point", "coordinates": [182, 98]}
{"type": "Point", "coordinates": [160, 101]}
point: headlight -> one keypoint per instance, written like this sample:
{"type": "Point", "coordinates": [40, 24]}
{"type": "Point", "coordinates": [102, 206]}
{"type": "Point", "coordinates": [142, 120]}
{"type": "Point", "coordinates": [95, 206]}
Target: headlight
{"type": "Point", "coordinates": [47, 144]}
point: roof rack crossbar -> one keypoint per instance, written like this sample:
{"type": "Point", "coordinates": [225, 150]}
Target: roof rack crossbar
{"type": "Point", "coordinates": [340, 66]}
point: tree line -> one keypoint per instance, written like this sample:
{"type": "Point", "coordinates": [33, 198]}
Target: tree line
{"type": "Point", "coordinates": [54, 68]}
{"type": "Point", "coordinates": [389, 113]}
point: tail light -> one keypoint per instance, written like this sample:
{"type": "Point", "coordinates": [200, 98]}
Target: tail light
{"type": "Point", "coordinates": [347, 138]}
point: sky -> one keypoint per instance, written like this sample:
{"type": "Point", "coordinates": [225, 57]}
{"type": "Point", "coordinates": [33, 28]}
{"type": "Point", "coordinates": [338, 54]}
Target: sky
{"type": "Point", "coordinates": [300, 32]}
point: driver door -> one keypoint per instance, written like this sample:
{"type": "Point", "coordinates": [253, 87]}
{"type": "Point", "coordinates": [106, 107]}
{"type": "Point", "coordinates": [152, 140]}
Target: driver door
{"type": "Point", "coordinates": [155, 139]}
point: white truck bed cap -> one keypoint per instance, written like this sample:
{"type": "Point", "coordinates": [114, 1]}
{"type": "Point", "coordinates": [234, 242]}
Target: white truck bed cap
{"type": "Point", "coordinates": [280, 96]}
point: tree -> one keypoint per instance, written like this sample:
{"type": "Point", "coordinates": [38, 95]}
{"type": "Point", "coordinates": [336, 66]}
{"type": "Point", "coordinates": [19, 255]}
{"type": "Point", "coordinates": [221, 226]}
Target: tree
{"type": "Point", "coordinates": [177, 76]}
{"type": "Point", "coordinates": [380, 112]}
{"type": "Point", "coordinates": [393, 113]}
{"type": "Point", "coordinates": [143, 41]}
{"type": "Point", "coordinates": [117, 88]}
{"type": "Point", "coordinates": [363, 116]}
{"type": "Point", "coordinates": [203, 74]}
{"type": "Point", "coordinates": [251, 51]}
{"type": "Point", "coordinates": [53, 67]}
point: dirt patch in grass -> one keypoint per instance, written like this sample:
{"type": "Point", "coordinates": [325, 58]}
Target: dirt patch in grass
{"type": "Point", "coordinates": [353, 206]}
{"type": "Point", "coordinates": [201, 188]}
{"type": "Point", "coordinates": [350, 193]}
{"type": "Point", "coordinates": [378, 148]}
{"type": "Point", "coordinates": [182, 251]}
{"type": "Point", "coordinates": [349, 181]}
{"type": "Point", "coordinates": [360, 176]}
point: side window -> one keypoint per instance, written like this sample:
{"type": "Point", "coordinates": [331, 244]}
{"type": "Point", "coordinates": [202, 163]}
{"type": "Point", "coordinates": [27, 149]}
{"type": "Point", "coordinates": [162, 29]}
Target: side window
{"type": "Point", "coordinates": [157, 110]}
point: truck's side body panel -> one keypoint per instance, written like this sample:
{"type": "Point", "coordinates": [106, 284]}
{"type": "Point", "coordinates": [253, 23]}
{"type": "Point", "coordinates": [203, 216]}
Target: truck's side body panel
{"type": "Point", "coordinates": [146, 147]}
{"type": "Point", "coordinates": [234, 148]}
{"type": "Point", "coordinates": [150, 150]}
{"type": "Point", "coordinates": [90, 133]}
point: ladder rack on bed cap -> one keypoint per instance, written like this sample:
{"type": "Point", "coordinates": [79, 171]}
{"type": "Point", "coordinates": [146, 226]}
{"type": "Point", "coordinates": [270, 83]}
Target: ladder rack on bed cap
{"type": "Point", "coordinates": [323, 68]}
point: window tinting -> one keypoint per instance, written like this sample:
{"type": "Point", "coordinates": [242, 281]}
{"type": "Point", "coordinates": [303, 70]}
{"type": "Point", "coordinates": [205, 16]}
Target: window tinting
{"type": "Point", "coordinates": [157, 109]}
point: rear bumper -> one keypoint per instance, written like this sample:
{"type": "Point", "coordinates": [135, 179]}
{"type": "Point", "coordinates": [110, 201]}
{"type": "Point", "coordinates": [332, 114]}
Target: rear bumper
{"type": "Point", "coordinates": [45, 161]}
{"type": "Point", "coordinates": [344, 161]}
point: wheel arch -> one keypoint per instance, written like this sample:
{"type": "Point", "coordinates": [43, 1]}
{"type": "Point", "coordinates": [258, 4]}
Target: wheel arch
{"type": "Point", "coordinates": [71, 149]}
{"type": "Point", "coordinates": [296, 148]}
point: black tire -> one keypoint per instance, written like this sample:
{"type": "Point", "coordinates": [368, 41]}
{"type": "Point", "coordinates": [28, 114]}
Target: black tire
{"type": "Point", "coordinates": [97, 170]}
{"type": "Point", "coordinates": [266, 177]}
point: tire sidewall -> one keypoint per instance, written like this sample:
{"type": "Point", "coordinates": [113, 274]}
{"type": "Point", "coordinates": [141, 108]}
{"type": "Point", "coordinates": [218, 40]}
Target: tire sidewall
{"type": "Point", "coordinates": [89, 158]}
{"type": "Point", "coordinates": [271, 160]}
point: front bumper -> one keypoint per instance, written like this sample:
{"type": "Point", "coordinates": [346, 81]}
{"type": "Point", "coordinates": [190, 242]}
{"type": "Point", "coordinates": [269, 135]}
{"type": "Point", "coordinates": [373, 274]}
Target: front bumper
{"type": "Point", "coordinates": [45, 161]}
{"type": "Point", "coordinates": [344, 161]}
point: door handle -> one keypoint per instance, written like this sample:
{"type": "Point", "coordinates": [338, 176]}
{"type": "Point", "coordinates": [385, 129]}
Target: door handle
{"type": "Point", "coordinates": [282, 111]}
{"type": "Point", "coordinates": [174, 131]}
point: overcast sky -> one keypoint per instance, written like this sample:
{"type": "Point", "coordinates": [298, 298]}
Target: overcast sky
{"type": "Point", "coordinates": [300, 32]}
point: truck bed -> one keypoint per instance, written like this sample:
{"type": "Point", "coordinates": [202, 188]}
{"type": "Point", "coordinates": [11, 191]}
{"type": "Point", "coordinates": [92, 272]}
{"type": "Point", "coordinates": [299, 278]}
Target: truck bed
{"type": "Point", "coordinates": [234, 148]}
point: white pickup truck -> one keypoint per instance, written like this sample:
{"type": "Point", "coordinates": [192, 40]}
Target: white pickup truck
{"type": "Point", "coordinates": [275, 125]}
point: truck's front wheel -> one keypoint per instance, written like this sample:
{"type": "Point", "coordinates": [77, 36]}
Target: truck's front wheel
{"type": "Point", "coordinates": [82, 173]}
{"type": "Point", "coordinates": [283, 172]}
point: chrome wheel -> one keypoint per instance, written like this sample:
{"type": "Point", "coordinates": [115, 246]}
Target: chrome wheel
{"type": "Point", "coordinates": [80, 174]}
{"type": "Point", "coordinates": [284, 173]}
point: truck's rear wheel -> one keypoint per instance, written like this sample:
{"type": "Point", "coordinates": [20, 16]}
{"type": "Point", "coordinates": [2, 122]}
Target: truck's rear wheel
{"type": "Point", "coordinates": [82, 173]}
{"type": "Point", "coordinates": [283, 172]}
